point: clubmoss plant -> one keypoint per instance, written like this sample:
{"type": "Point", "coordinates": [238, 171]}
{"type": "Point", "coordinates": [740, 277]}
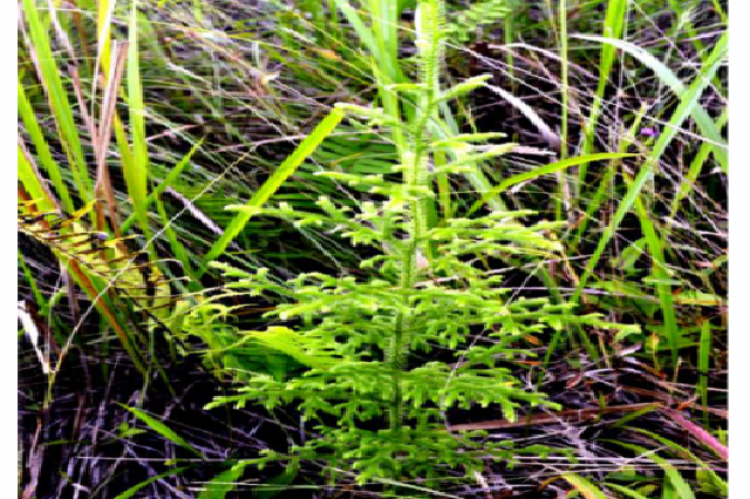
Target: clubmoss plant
{"type": "Point", "coordinates": [428, 330]}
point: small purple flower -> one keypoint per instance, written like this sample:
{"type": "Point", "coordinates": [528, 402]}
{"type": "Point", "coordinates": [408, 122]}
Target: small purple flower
{"type": "Point", "coordinates": [649, 132]}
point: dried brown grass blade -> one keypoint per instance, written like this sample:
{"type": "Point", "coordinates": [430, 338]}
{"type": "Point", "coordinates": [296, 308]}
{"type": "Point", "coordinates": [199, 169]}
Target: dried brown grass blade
{"type": "Point", "coordinates": [103, 180]}
{"type": "Point", "coordinates": [570, 415]}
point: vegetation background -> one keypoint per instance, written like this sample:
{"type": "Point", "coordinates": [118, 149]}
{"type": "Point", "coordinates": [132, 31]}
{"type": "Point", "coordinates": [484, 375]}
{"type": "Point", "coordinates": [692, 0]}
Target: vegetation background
{"type": "Point", "coordinates": [140, 121]}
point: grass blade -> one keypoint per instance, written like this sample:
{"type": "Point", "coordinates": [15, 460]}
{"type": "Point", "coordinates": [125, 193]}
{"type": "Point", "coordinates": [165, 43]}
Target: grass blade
{"type": "Point", "coordinates": [614, 24]}
{"type": "Point", "coordinates": [167, 182]}
{"type": "Point", "coordinates": [137, 176]}
{"type": "Point", "coordinates": [701, 117]}
{"type": "Point", "coordinates": [599, 196]}
{"type": "Point", "coordinates": [529, 113]}
{"type": "Point", "coordinates": [32, 183]}
{"type": "Point", "coordinates": [544, 170]}
{"type": "Point", "coordinates": [688, 102]}
{"type": "Point", "coordinates": [132, 491]}
{"type": "Point", "coordinates": [696, 167]}
{"type": "Point", "coordinates": [42, 149]}
{"type": "Point", "coordinates": [683, 489]}
{"type": "Point", "coordinates": [273, 183]}
{"type": "Point", "coordinates": [624, 490]}
{"type": "Point", "coordinates": [703, 365]}
{"type": "Point", "coordinates": [161, 429]}
{"type": "Point", "coordinates": [224, 482]}
{"type": "Point", "coordinates": [58, 99]}
{"type": "Point", "coordinates": [366, 36]}
{"type": "Point", "coordinates": [587, 489]}
{"type": "Point", "coordinates": [103, 186]}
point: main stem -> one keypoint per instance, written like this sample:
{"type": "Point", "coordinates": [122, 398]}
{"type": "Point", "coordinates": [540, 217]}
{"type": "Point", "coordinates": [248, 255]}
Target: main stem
{"type": "Point", "coordinates": [413, 177]}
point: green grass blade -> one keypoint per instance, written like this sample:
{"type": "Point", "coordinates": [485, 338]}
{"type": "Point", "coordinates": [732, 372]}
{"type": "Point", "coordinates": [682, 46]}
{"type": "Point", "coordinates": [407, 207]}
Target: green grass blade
{"type": "Point", "coordinates": [104, 12]}
{"type": "Point", "coordinates": [707, 126]}
{"type": "Point", "coordinates": [720, 11]}
{"type": "Point", "coordinates": [58, 101]}
{"type": "Point", "coordinates": [614, 24]}
{"type": "Point", "coordinates": [587, 489]}
{"type": "Point", "coordinates": [544, 170]}
{"type": "Point", "coordinates": [688, 102]}
{"type": "Point", "coordinates": [161, 429]}
{"type": "Point", "coordinates": [177, 248]}
{"type": "Point", "coordinates": [223, 483]}
{"type": "Point", "coordinates": [137, 176]}
{"type": "Point", "coordinates": [599, 196]}
{"type": "Point", "coordinates": [273, 183]}
{"type": "Point", "coordinates": [683, 489]}
{"type": "Point", "coordinates": [696, 167]}
{"type": "Point", "coordinates": [660, 272]}
{"type": "Point", "coordinates": [32, 183]}
{"type": "Point", "coordinates": [132, 491]}
{"type": "Point", "coordinates": [704, 356]}
{"type": "Point", "coordinates": [41, 302]}
{"type": "Point", "coordinates": [609, 232]}
{"type": "Point", "coordinates": [167, 182]}
{"type": "Point", "coordinates": [684, 452]}
{"type": "Point", "coordinates": [626, 491]}
{"type": "Point", "coordinates": [366, 35]}
{"type": "Point", "coordinates": [42, 149]}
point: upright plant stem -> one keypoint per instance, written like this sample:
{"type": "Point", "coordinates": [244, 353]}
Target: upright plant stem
{"type": "Point", "coordinates": [397, 354]}
{"type": "Point", "coordinates": [510, 62]}
{"type": "Point", "coordinates": [414, 176]}
{"type": "Point", "coordinates": [400, 341]}
{"type": "Point", "coordinates": [563, 20]}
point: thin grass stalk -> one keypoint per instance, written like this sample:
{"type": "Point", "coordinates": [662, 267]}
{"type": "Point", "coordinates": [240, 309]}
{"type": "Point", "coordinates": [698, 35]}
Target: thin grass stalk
{"type": "Point", "coordinates": [563, 196]}
{"type": "Point", "coordinates": [614, 26]}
